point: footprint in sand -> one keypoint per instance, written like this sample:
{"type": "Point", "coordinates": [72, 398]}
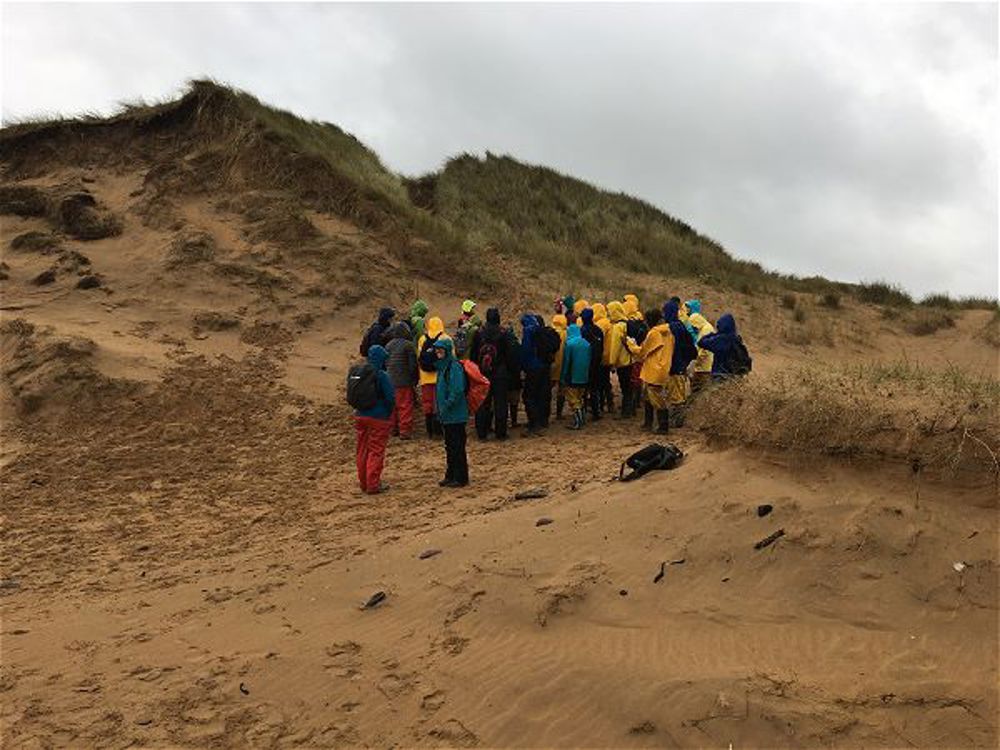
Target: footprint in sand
{"type": "Point", "coordinates": [433, 701]}
{"type": "Point", "coordinates": [454, 734]}
{"type": "Point", "coordinates": [345, 659]}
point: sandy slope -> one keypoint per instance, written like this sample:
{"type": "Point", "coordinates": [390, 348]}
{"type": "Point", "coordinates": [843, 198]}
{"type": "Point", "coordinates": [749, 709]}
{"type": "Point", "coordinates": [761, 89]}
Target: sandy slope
{"type": "Point", "coordinates": [166, 542]}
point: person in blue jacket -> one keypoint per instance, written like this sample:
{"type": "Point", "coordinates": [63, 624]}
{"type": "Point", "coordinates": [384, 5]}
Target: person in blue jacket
{"type": "Point", "coordinates": [536, 376]}
{"type": "Point", "coordinates": [453, 413]}
{"type": "Point", "coordinates": [721, 344]}
{"type": "Point", "coordinates": [374, 425]}
{"type": "Point", "coordinates": [685, 352]}
{"type": "Point", "coordinates": [575, 374]}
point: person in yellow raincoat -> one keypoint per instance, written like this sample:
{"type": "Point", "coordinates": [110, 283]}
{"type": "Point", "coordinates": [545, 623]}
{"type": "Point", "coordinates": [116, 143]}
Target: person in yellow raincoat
{"type": "Point", "coordinates": [635, 316]}
{"type": "Point", "coordinates": [426, 359]}
{"type": "Point", "coordinates": [605, 393]}
{"type": "Point", "coordinates": [619, 357]}
{"type": "Point", "coordinates": [555, 373]}
{"type": "Point", "coordinates": [631, 304]}
{"type": "Point", "coordinates": [654, 356]}
{"type": "Point", "coordinates": [703, 364]}
{"type": "Point", "coordinates": [578, 307]}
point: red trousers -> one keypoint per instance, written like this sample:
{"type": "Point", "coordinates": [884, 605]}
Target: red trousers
{"type": "Point", "coordinates": [402, 415]}
{"type": "Point", "coordinates": [427, 397]}
{"type": "Point", "coordinates": [373, 434]}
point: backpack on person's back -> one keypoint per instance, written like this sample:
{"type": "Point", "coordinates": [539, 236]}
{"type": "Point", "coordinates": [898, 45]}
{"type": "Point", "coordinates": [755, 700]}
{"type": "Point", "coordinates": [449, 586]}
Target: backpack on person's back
{"type": "Point", "coordinates": [426, 358]}
{"type": "Point", "coordinates": [362, 386]}
{"type": "Point", "coordinates": [461, 341]}
{"type": "Point", "coordinates": [547, 344]}
{"type": "Point", "coordinates": [739, 361]}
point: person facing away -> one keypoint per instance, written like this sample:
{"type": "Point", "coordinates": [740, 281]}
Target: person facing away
{"type": "Point", "coordinates": [721, 344]}
{"type": "Point", "coordinates": [575, 374]}
{"type": "Point", "coordinates": [569, 303]}
{"type": "Point", "coordinates": [601, 320]}
{"type": "Point", "coordinates": [560, 324]}
{"type": "Point", "coordinates": [402, 370]}
{"type": "Point", "coordinates": [536, 374]}
{"type": "Point", "coordinates": [620, 358]}
{"type": "Point", "coordinates": [468, 324]}
{"type": "Point", "coordinates": [703, 363]}
{"type": "Point", "coordinates": [426, 359]}
{"type": "Point", "coordinates": [372, 426]}
{"type": "Point", "coordinates": [685, 352]}
{"type": "Point", "coordinates": [594, 336]}
{"type": "Point", "coordinates": [491, 351]}
{"type": "Point", "coordinates": [453, 412]}
{"type": "Point", "coordinates": [418, 319]}
{"type": "Point", "coordinates": [377, 331]}
{"type": "Point", "coordinates": [655, 355]}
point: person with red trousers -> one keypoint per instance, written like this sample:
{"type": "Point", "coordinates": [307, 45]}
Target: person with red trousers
{"type": "Point", "coordinates": [373, 427]}
{"type": "Point", "coordinates": [402, 370]}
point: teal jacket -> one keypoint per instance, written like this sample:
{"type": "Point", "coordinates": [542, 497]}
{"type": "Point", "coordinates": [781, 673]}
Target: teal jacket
{"type": "Point", "coordinates": [449, 392]}
{"type": "Point", "coordinates": [576, 358]}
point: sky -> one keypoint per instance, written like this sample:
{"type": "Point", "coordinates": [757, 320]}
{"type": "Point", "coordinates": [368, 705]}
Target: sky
{"type": "Point", "coordinates": [856, 142]}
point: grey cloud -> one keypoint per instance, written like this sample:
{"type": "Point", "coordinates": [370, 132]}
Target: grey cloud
{"type": "Point", "coordinates": [851, 141]}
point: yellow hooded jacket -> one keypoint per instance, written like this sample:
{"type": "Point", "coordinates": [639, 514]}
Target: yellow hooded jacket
{"type": "Point", "coordinates": [579, 306]}
{"type": "Point", "coordinates": [559, 323]}
{"type": "Point", "coordinates": [614, 341]}
{"type": "Point", "coordinates": [434, 327]}
{"type": "Point", "coordinates": [631, 305]}
{"type": "Point", "coordinates": [703, 328]}
{"type": "Point", "coordinates": [602, 322]}
{"type": "Point", "coordinates": [655, 353]}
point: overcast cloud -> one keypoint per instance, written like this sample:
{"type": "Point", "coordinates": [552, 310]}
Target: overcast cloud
{"type": "Point", "coordinates": [856, 142]}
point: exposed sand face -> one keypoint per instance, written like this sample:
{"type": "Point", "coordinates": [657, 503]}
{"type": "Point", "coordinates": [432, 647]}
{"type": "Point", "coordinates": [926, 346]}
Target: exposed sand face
{"type": "Point", "coordinates": [203, 530]}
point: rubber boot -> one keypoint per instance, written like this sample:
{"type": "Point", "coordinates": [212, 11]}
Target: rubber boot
{"type": "Point", "coordinates": [429, 424]}
{"type": "Point", "coordinates": [560, 405]}
{"type": "Point", "coordinates": [577, 423]}
{"type": "Point", "coordinates": [513, 414]}
{"type": "Point", "coordinates": [662, 422]}
{"type": "Point", "coordinates": [436, 426]}
{"type": "Point", "coordinates": [647, 421]}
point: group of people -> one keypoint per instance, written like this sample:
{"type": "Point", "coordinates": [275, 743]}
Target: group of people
{"type": "Point", "coordinates": [659, 358]}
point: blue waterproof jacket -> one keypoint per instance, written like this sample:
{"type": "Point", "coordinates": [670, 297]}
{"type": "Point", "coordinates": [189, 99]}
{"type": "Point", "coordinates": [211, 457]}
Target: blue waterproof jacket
{"type": "Point", "coordinates": [377, 355]}
{"type": "Point", "coordinates": [684, 349]}
{"type": "Point", "coordinates": [449, 393]}
{"type": "Point", "coordinates": [720, 343]}
{"type": "Point", "coordinates": [529, 359]}
{"type": "Point", "coordinates": [576, 358]}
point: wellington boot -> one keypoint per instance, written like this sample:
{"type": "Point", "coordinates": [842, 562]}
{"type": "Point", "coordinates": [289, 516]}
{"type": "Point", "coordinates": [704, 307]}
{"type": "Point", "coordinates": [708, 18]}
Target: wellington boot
{"type": "Point", "coordinates": [662, 422]}
{"type": "Point", "coordinates": [647, 421]}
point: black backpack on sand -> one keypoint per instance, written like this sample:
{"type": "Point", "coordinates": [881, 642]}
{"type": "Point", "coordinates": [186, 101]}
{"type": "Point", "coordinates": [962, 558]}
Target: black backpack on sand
{"type": "Point", "coordinates": [653, 456]}
{"type": "Point", "coordinates": [362, 386]}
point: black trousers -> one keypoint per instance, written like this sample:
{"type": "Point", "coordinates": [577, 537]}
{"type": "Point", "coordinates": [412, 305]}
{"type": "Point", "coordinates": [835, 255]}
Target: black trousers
{"type": "Point", "coordinates": [594, 392]}
{"type": "Point", "coordinates": [454, 448]}
{"type": "Point", "coordinates": [536, 394]}
{"type": "Point", "coordinates": [607, 394]}
{"type": "Point", "coordinates": [493, 411]}
{"type": "Point", "coordinates": [625, 383]}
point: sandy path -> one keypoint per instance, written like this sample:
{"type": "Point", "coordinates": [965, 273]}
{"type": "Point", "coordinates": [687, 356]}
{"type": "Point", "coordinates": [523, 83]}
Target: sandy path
{"type": "Point", "coordinates": [159, 571]}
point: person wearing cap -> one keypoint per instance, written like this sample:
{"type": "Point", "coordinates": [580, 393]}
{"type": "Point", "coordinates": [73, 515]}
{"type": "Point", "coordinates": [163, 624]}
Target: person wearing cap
{"type": "Point", "coordinates": [468, 324]}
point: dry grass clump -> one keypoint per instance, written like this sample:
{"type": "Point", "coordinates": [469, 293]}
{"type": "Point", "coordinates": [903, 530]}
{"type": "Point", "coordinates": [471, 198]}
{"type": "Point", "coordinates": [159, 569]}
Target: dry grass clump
{"type": "Point", "coordinates": [882, 293]}
{"type": "Point", "coordinates": [830, 300]}
{"type": "Point", "coordinates": [924, 322]}
{"type": "Point", "coordinates": [942, 419]}
{"type": "Point", "coordinates": [991, 331]}
{"type": "Point", "coordinates": [789, 301]}
{"type": "Point", "coordinates": [811, 331]}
